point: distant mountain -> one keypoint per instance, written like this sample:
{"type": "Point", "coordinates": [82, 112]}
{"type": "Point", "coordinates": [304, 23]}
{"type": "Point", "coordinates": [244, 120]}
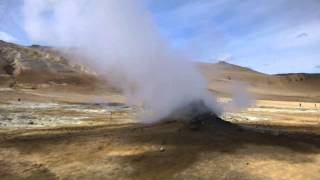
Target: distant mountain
{"type": "Point", "coordinates": [225, 78]}
{"type": "Point", "coordinates": [40, 66]}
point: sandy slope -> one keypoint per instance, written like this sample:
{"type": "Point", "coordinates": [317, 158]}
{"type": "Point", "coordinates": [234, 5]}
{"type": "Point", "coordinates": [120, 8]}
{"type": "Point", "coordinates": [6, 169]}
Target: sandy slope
{"type": "Point", "coordinates": [226, 78]}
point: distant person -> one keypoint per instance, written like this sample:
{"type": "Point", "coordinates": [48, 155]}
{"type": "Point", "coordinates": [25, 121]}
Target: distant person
{"type": "Point", "coordinates": [300, 104]}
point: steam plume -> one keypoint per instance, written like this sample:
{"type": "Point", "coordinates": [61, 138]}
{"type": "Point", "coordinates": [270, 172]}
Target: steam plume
{"type": "Point", "coordinates": [119, 40]}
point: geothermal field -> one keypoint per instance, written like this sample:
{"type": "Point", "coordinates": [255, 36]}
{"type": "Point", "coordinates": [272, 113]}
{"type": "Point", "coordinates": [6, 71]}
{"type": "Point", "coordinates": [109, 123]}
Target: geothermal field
{"type": "Point", "coordinates": [123, 89]}
{"type": "Point", "coordinates": [68, 127]}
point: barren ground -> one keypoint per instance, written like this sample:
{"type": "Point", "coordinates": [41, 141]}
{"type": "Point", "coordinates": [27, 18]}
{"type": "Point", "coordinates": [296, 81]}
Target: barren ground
{"type": "Point", "coordinates": [50, 135]}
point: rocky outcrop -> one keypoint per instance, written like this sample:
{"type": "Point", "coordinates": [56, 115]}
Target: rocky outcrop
{"type": "Point", "coordinates": [38, 65]}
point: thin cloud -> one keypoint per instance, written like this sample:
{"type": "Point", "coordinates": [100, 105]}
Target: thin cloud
{"type": "Point", "coordinates": [302, 35]}
{"type": "Point", "coordinates": [7, 37]}
{"type": "Point", "coordinates": [253, 33]}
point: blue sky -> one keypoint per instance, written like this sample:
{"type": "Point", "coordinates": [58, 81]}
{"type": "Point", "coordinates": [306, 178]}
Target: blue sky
{"type": "Point", "coordinates": [272, 36]}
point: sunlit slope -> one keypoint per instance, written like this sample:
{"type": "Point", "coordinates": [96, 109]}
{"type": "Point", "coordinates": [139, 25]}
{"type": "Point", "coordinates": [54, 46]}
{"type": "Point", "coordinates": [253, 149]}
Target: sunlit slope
{"type": "Point", "coordinates": [227, 78]}
{"type": "Point", "coordinates": [38, 65]}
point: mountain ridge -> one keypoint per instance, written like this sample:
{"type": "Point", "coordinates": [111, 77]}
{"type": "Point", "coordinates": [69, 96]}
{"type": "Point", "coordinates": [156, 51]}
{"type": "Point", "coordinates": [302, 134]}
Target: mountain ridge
{"type": "Point", "coordinates": [36, 65]}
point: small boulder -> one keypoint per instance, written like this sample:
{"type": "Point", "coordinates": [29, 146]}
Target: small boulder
{"type": "Point", "coordinates": [162, 149]}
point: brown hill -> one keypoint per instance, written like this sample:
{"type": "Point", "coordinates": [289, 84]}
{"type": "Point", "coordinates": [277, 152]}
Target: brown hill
{"type": "Point", "coordinates": [226, 79]}
{"type": "Point", "coordinates": [34, 66]}
{"type": "Point", "coordinates": [37, 66]}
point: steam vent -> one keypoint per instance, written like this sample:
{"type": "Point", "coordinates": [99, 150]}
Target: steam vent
{"type": "Point", "coordinates": [198, 116]}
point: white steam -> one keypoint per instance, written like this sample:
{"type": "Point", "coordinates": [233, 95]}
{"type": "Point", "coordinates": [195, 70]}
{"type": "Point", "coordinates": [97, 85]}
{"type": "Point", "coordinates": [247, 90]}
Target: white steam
{"type": "Point", "coordinates": [241, 98]}
{"type": "Point", "coordinates": [119, 40]}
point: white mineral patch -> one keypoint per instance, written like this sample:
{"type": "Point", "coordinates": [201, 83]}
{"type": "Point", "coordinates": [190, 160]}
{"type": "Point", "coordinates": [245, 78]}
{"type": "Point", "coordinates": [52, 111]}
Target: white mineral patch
{"type": "Point", "coordinates": [5, 89]}
{"type": "Point", "coordinates": [244, 117]}
{"type": "Point", "coordinates": [286, 110]}
{"type": "Point", "coordinates": [31, 115]}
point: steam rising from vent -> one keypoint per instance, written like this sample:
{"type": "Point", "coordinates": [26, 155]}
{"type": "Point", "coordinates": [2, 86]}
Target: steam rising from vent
{"type": "Point", "coordinates": [118, 39]}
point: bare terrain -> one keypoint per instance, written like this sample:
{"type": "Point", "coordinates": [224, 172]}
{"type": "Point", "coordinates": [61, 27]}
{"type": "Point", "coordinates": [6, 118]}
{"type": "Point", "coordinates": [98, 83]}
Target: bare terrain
{"type": "Point", "coordinates": [224, 78]}
{"type": "Point", "coordinates": [68, 124]}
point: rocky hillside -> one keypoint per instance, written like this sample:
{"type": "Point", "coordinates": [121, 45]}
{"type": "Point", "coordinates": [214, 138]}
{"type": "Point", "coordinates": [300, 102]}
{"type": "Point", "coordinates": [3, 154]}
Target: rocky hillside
{"type": "Point", "coordinates": [37, 65]}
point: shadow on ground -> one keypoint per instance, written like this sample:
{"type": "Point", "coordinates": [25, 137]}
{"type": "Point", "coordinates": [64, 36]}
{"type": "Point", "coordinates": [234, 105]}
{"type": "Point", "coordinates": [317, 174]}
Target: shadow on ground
{"type": "Point", "coordinates": [169, 149]}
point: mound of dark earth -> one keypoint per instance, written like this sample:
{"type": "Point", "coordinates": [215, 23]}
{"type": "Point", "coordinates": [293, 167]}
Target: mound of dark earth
{"type": "Point", "coordinates": [197, 116]}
